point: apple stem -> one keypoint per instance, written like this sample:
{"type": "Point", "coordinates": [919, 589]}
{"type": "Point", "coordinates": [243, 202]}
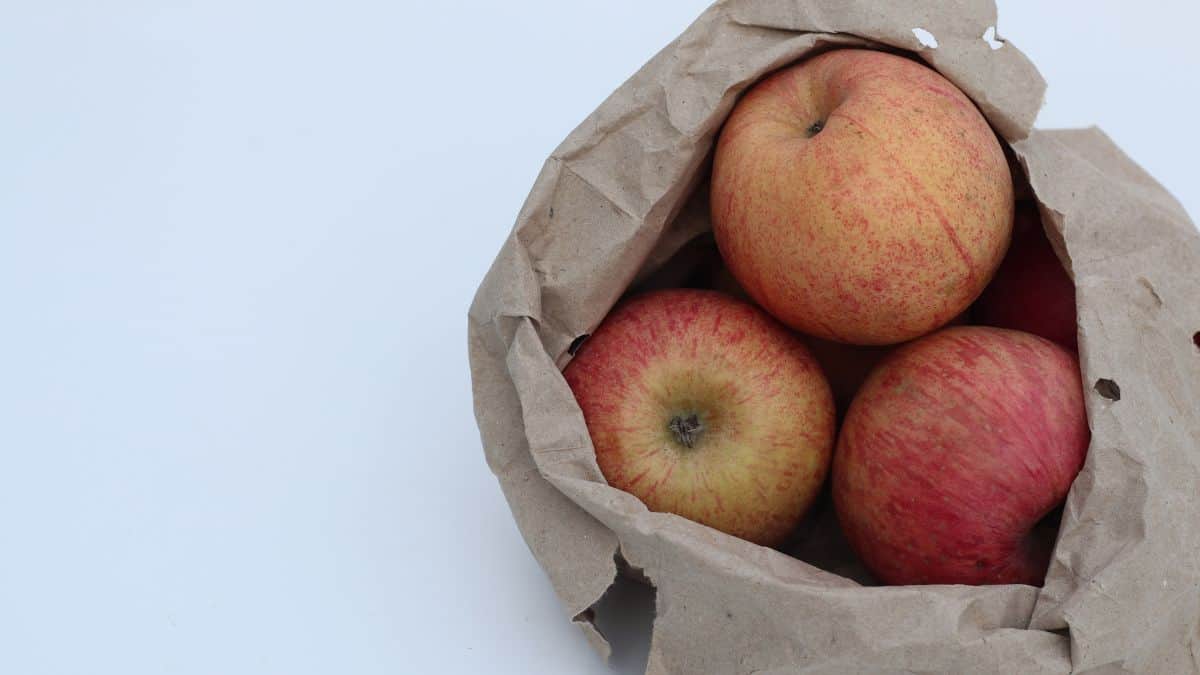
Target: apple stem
{"type": "Point", "coordinates": [687, 430]}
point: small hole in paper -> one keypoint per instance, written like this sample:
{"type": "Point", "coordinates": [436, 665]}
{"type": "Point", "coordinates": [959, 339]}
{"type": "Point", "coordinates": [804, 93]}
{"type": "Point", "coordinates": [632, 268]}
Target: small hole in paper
{"type": "Point", "coordinates": [989, 36]}
{"type": "Point", "coordinates": [925, 38]}
{"type": "Point", "coordinates": [1196, 339]}
{"type": "Point", "coordinates": [576, 344]}
{"type": "Point", "coordinates": [1108, 389]}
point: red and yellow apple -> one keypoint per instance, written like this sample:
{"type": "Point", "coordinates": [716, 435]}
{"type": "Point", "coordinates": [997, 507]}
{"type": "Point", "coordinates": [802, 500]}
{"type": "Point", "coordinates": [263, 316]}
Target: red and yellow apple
{"type": "Point", "coordinates": [952, 452]}
{"type": "Point", "coordinates": [860, 197]}
{"type": "Point", "coordinates": [1031, 291]}
{"type": "Point", "coordinates": [704, 406]}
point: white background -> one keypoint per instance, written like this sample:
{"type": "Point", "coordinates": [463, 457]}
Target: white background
{"type": "Point", "coordinates": [237, 245]}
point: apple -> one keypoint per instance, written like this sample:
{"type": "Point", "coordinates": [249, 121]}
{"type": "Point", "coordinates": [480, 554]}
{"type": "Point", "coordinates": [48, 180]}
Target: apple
{"type": "Point", "coordinates": [952, 452]}
{"type": "Point", "coordinates": [860, 197]}
{"type": "Point", "coordinates": [704, 406]}
{"type": "Point", "coordinates": [1031, 291]}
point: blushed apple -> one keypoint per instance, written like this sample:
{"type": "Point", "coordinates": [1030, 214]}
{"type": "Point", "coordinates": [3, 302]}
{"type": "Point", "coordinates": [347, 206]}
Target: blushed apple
{"type": "Point", "coordinates": [704, 406]}
{"type": "Point", "coordinates": [860, 197]}
{"type": "Point", "coordinates": [953, 451]}
{"type": "Point", "coordinates": [1031, 291]}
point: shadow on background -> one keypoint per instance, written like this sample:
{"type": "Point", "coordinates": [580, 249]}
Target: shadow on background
{"type": "Point", "coordinates": [624, 616]}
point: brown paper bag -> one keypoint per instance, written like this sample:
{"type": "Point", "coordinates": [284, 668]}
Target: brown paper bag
{"type": "Point", "coordinates": [624, 193]}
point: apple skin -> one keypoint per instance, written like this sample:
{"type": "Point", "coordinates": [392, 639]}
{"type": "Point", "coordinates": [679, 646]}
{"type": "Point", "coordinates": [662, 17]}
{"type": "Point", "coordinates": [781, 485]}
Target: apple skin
{"type": "Point", "coordinates": [845, 366]}
{"type": "Point", "coordinates": [953, 450]}
{"type": "Point", "coordinates": [860, 197]}
{"type": "Point", "coordinates": [667, 362]}
{"type": "Point", "coordinates": [1031, 291]}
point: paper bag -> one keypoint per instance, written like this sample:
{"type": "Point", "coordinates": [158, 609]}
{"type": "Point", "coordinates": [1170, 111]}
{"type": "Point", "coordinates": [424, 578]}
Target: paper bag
{"type": "Point", "coordinates": [624, 193]}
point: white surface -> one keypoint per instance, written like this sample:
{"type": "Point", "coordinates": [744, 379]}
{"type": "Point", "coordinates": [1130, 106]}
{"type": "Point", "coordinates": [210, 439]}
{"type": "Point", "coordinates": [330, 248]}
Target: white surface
{"type": "Point", "coordinates": [237, 245]}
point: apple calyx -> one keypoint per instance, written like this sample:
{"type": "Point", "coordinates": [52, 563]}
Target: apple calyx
{"type": "Point", "coordinates": [815, 128]}
{"type": "Point", "coordinates": [687, 429]}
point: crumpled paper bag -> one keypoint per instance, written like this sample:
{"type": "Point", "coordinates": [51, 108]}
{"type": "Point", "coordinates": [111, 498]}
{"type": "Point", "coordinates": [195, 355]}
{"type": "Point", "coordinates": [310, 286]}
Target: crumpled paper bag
{"type": "Point", "coordinates": [625, 192]}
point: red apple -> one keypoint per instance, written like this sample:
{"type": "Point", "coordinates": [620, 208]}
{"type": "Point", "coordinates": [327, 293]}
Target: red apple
{"type": "Point", "coordinates": [703, 406]}
{"type": "Point", "coordinates": [860, 197]}
{"type": "Point", "coordinates": [1031, 290]}
{"type": "Point", "coordinates": [953, 450]}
